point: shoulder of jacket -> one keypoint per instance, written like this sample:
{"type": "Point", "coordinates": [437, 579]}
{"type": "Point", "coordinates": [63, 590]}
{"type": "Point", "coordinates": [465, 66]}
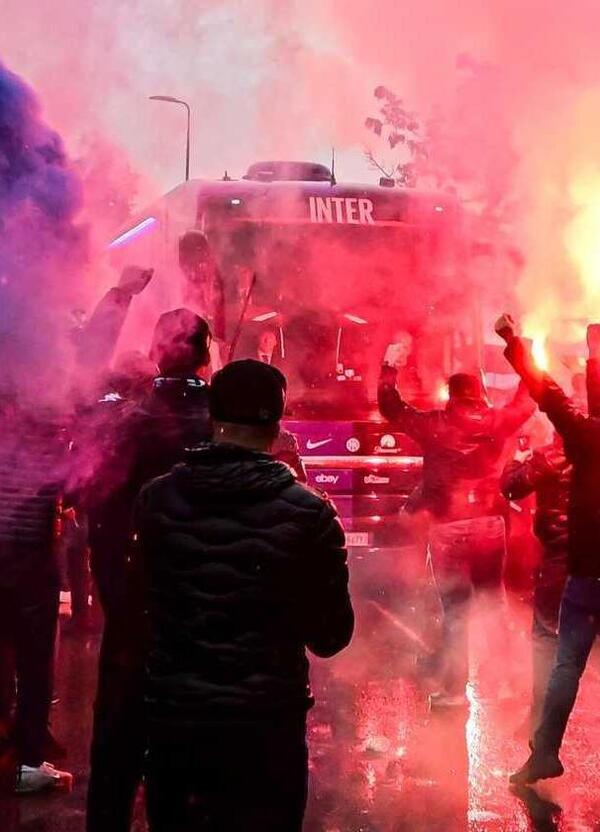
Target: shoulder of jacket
{"type": "Point", "coordinates": [307, 496]}
{"type": "Point", "coordinates": [156, 486]}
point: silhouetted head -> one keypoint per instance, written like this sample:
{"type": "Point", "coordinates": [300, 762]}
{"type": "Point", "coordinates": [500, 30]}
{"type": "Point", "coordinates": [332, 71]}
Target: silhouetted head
{"type": "Point", "coordinates": [467, 398]}
{"type": "Point", "coordinates": [267, 341]}
{"type": "Point", "coordinates": [181, 343]}
{"type": "Point", "coordinates": [195, 257]}
{"type": "Point", "coordinates": [247, 402]}
{"type": "Point", "coordinates": [465, 387]}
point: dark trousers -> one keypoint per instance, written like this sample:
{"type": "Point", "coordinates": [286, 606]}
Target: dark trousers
{"type": "Point", "coordinates": [119, 732]}
{"type": "Point", "coordinates": [8, 687]}
{"type": "Point", "coordinates": [578, 627]}
{"type": "Point", "coordinates": [28, 622]}
{"type": "Point", "coordinates": [232, 778]}
{"type": "Point", "coordinates": [108, 564]}
{"type": "Point", "coordinates": [467, 556]}
{"type": "Point", "coordinates": [549, 587]}
{"type": "Point", "coordinates": [75, 541]}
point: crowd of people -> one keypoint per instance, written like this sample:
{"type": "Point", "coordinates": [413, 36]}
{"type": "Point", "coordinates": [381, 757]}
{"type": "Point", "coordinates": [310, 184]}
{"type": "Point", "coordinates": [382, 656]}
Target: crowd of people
{"type": "Point", "coordinates": [467, 541]}
{"type": "Point", "coordinates": [216, 567]}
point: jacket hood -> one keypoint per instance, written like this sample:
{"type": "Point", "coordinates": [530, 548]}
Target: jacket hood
{"type": "Point", "coordinates": [173, 391]}
{"type": "Point", "coordinates": [178, 398]}
{"type": "Point", "coordinates": [218, 470]}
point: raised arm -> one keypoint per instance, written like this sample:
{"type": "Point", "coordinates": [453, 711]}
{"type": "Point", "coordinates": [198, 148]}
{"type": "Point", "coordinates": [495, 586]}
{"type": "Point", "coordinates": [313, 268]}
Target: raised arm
{"type": "Point", "coordinates": [518, 410]}
{"type": "Point", "coordinates": [552, 400]}
{"type": "Point", "coordinates": [522, 478]}
{"type": "Point", "coordinates": [593, 369]}
{"type": "Point", "coordinates": [97, 341]}
{"type": "Point", "coordinates": [329, 618]}
{"type": "Point", "coordinates": [394, 409]}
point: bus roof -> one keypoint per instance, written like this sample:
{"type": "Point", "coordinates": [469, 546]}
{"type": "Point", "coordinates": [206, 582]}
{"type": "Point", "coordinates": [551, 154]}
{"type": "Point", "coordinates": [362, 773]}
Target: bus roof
{"type": "Point", "coordinates": [299, 201]}
{"type": "Point", "coordinates": [324, 202]}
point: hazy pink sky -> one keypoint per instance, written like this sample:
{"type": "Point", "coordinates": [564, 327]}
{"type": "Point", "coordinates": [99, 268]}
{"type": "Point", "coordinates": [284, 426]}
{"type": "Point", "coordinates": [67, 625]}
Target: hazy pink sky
{"type": "Point", "coordinates": [290, 78]}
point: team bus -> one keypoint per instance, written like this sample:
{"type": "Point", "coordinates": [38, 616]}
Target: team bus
{"type": "Point", "coordinates": [317, 277]}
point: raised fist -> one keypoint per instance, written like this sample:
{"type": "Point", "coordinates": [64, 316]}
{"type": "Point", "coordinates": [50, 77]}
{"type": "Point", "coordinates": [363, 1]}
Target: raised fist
{"type": "Point", "coordinates": [134, 279]}
{"type": "Point", "coordinates": [505, 327]}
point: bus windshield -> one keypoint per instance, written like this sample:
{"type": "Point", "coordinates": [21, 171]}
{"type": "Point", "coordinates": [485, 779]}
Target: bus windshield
{"type": "Point", "coordinates": [338, 267]}
{"type": "Point", "coordinates": [329, 295]}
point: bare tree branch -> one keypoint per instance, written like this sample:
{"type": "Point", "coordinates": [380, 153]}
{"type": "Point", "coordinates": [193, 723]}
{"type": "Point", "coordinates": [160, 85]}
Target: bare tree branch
{"type": "Point", "coordinates": [373, 161]}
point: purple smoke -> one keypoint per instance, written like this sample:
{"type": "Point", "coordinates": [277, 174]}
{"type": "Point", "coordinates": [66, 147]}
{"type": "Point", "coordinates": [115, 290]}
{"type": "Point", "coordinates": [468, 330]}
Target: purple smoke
{"type": "Point", "coordinates": [42, 249]}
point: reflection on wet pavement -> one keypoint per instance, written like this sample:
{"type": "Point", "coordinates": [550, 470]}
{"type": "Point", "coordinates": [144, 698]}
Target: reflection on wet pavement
{"type": "Point", "coordinates": [381, 761]}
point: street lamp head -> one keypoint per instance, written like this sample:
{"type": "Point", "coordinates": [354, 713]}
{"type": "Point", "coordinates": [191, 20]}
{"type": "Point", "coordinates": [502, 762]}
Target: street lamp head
{"type": "Point", "coordinates": [166, 98]}
{"type": "Point", "coordinates": [172, 100]}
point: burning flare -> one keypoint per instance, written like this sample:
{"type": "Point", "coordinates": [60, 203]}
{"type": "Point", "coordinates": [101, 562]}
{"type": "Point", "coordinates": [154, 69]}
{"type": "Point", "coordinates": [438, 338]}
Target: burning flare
{"type": "Point", "coordinates": [540, 352]}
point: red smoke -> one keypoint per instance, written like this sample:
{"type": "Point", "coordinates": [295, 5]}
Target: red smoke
{"type": "Point", "coordinates": [282, 79]}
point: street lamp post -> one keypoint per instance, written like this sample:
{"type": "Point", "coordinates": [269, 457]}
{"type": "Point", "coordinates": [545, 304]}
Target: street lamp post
{"type": "Point", "coordinates": [172, 100]}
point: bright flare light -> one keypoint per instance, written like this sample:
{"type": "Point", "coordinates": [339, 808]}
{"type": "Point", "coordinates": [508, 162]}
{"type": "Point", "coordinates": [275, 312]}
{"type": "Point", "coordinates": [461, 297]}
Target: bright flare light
{"type": "Point", "coordinates": [540, 353]}
{"type": "Point", "coordinates": [582, 239]}
{"type": "Point", "coordinates": [443, 394]}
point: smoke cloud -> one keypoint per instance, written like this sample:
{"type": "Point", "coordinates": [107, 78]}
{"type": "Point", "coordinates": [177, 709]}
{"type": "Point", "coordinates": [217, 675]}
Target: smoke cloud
{"type": "Point", "coordinates": [42, 249]}
{"type": "Point", "coordinates": [281, 78]}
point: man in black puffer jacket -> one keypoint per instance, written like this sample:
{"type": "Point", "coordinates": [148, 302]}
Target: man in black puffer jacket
{"type": "Point", "coordinates": [246, 568]}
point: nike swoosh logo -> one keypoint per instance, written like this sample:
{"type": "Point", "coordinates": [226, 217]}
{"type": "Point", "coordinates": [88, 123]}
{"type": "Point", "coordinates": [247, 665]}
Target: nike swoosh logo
{"type": "Point", "coordinates": [310, 445]}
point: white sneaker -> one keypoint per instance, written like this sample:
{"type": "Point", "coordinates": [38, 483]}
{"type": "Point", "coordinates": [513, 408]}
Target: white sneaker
{"type": "Point", "coordinates": [31, 779]}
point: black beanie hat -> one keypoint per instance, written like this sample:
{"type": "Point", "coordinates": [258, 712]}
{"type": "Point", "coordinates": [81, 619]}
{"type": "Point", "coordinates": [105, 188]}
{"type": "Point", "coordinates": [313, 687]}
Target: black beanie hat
{"type": "Point", "coordinates": [466, 386]}
{"type": "Point", "coordinates": [248, 392]}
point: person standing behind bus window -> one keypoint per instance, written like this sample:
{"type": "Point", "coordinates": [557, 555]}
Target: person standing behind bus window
{"type": "Point", "coordinates": [203, 290]}
{"type": "Point", "coordinates": [267, 343]}
{"type": "Point", "coordinates": [399, 354]}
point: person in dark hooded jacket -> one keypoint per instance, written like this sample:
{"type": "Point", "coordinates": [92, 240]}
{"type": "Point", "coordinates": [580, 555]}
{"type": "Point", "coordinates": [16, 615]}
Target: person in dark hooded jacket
{"type": "Point", "coordinates": [580, 605]}
{"type": "Point", "coordinates": [132, 443]}
{"type": "Point", "coordinates": [245, 570]}
{"type": "Point", "coordinates": [462, 447]}
{"type": "Point", "coordinates": [547, 474]}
